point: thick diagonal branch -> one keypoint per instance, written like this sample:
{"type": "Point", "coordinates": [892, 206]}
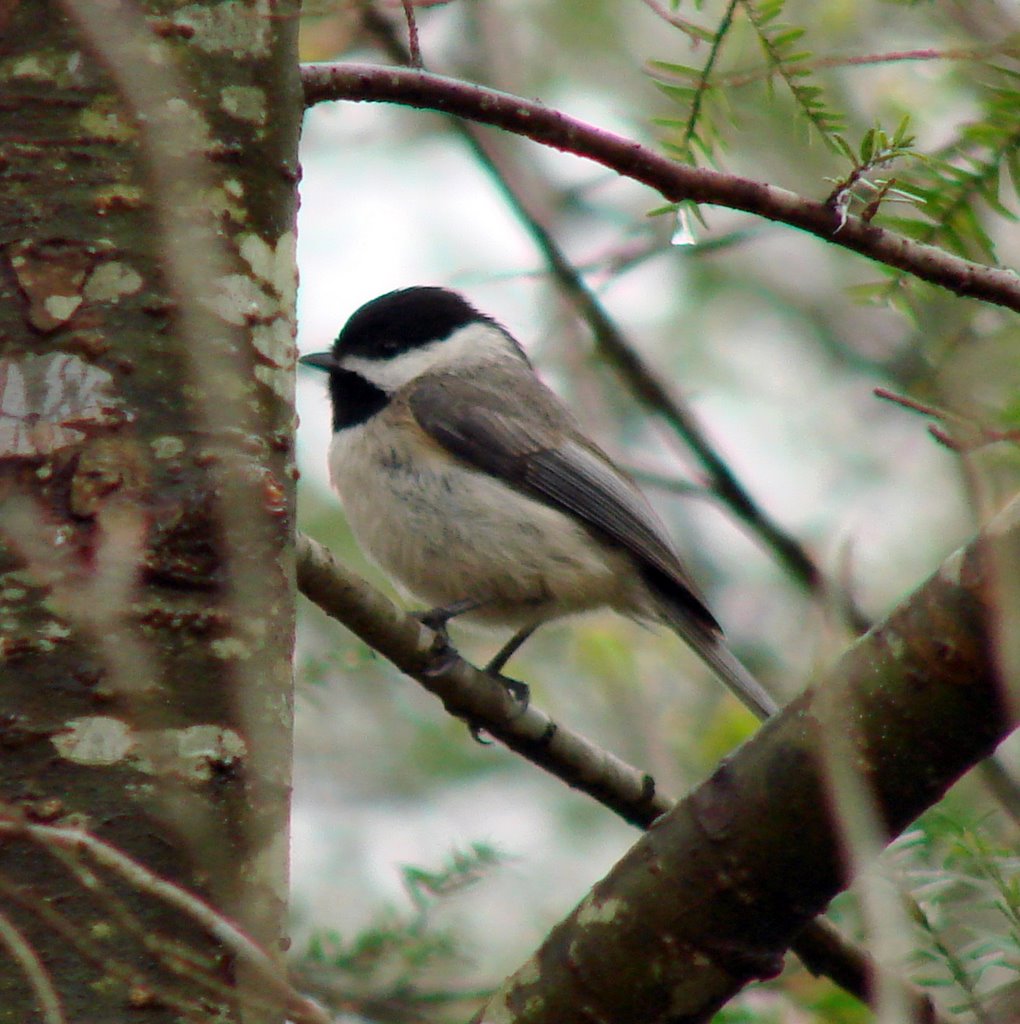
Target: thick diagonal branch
{"type": "Point", "coordinates": [717, 890]}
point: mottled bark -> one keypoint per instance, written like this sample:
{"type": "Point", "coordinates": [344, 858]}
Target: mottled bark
{"type": "Point", "coordinates": [148, 157]}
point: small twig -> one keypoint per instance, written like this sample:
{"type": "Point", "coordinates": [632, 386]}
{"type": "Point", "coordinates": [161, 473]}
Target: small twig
{"type": "Point", "coordinates": [844, 191]}
{"type": "Point", "coordinates": [695, 32]}
{"type": "Point", "coordinates": [199, 969]}
{"type": "Point", "coordinates": [883, 190]}
{"type": "Point", "coordinates": [981, 437]}
{"type": "Point", "coordinates": [653, 393]}
{"type": "Point", "coordinates": [853, 614]}
{"type": "Point", "coordinates": [674, 181]}
{"type": "Point", "coordinates": [702, 85]}
{"type": "Point", "coordinates": [910, 403]}
{"type": "Point", "coordinates": [413, 44]}
{"type": "Point", "coordinates": [970, 434]}
{"type": "Point", "coordinates": [950, 958]}
{"type": "Point", "coordinates": [925, 410]}
{"type": "Point", "coordinates": [737, 79]}
{"type": "Point", "coordinates": [34, 970]}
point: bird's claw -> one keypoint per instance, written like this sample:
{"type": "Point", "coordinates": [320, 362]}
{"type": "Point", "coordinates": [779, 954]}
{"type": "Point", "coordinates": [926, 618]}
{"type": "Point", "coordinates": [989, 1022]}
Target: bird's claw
{"type": "Point", "coordinates": [442, 652]}
{"type": "Point", "coordinates": [520, 692]}
{"type": "Point", "coordinates": [442, 655]}
{"type": "Point", "coordinates": [478, 734]}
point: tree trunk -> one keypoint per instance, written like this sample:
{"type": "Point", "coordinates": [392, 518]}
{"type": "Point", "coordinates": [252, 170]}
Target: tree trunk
{"type": "Point", "coordinates": [146, 343]}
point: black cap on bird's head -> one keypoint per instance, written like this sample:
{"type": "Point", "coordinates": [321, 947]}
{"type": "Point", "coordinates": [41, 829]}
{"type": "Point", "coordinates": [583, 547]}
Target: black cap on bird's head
{"type": "Point", "coordinates": [387, 332]}
{"type": "Point", "coordinates": [397, 322]}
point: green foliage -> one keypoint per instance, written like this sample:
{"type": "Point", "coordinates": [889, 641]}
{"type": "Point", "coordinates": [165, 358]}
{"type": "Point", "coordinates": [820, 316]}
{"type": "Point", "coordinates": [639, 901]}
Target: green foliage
{"type": "Point", "coordinates": [956, 188]}
{"type": "Point", "coordinates": [729, 726]}
{"type": "Point", "coordinates": [835, 1006]}
{"type": "Point", "coordinates": [964, 896]}
{"type": "Point", "coordinates": [786, 61]}
{"type": "Point", "coordinates": [877, 150]}
{"type": "Point", "coordinates": [393, 968]}
{"type": "Point", "coordinates": [738, 1013]}
{"type": "Point", "coordinates": [703, 90]}
{"type": "Point", "coordinates": [944, 197]}
{"type": "Point", "coordinates": [696, 132]}
{"type": "Point", "coordinates": [462, 869]}
{"type": "Point", "coordinates": [953, 183]}
{"type": "Point", "coordinates": [604, 656]}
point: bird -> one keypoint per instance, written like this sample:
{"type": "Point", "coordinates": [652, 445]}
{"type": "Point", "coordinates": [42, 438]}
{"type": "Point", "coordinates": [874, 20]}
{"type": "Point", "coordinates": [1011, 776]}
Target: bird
{"type": "Point", "coordinates": [475, 489]}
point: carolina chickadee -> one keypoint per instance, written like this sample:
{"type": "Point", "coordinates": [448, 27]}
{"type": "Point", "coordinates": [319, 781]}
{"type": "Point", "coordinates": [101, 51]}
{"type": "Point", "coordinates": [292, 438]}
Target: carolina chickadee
{"type": "Point", "coordinates": [468, 481]}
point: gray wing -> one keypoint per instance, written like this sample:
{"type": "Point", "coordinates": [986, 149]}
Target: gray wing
{"type": "Point", "coordinates": [473, 424]}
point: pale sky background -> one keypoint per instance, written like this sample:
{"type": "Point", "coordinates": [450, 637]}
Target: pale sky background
{"type": "Point", "coordinates": [832, 464]}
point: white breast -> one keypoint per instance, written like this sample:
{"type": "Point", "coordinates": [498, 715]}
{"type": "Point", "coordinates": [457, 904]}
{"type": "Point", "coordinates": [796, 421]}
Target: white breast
{"type": "Point", "coordinates": [447, 532]}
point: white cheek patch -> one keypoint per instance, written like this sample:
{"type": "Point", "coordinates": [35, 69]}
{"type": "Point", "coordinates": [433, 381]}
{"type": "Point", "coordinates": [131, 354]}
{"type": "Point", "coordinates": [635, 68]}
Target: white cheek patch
{"type": "Point", "coordinates": [467, 346]}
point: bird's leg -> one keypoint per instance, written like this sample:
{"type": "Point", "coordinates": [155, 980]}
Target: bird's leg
{"type": "Point", "coordinates": [509, 649]}
{"type": "Point", "coordinates": [437, 619]}
{"type": "Point", "coordinates": [518, 690]}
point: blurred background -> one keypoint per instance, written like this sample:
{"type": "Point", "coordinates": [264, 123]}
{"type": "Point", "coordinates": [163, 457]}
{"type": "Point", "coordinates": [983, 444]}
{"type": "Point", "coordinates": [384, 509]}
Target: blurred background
{"type": "Point", "coordinates": [426, 865]}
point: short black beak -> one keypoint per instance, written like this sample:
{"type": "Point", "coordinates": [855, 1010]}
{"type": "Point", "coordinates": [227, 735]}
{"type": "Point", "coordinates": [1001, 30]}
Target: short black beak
{"type": "Point", "coordinates": [321, 361]}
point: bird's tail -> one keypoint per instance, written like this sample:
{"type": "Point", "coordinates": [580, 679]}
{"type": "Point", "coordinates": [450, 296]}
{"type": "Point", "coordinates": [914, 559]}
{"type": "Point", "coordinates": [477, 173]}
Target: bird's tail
{"type": "Point", "coordinates": [711, 648]}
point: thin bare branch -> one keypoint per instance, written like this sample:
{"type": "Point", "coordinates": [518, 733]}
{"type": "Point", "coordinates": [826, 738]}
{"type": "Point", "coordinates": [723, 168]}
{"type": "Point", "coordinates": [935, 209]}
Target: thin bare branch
{"type": "Point", "coordinates": [652, 392]}
{"type": "Point", "coordinates": [740, 78]}
{"type": "Point", "coordinates": [674, 181]}
{"type": "Point", "coordinates": [90, 949]}
{"type": "Point", "coordinates": [689, 28]}
{"type": "Point", "coordinates": [413, 42]}
{"type": "Point", "coordinates": [961, 433]}
{"type": "Point", "coordinates": [144, 880]}
{"type": "Point", "coordinates": [34, 970]}
{"type": "Point", "coordinates": [909, 403]}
